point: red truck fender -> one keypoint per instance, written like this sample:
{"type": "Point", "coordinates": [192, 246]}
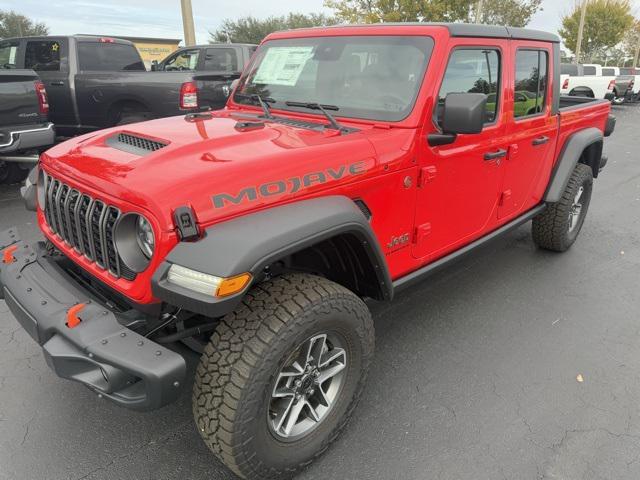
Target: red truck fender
{"type": "Point", "coordinates": [291, 236]}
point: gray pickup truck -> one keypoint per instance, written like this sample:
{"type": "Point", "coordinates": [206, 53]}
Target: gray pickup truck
{"type": "Point", "coordinates": [98, 82]}
{"type": "Point", "coordinates": [24, 128]}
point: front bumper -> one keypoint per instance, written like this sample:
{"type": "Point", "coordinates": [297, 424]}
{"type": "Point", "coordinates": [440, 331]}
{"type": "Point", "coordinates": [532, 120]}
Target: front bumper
{"type": "Point", "coordinates": [100, 352]}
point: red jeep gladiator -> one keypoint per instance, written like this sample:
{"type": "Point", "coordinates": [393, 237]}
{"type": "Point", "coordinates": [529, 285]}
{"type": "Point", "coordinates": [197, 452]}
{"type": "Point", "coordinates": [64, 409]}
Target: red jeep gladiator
{"type": "Point", "coordinates": [350, 162]}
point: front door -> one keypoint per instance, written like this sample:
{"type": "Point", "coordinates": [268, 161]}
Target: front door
{"type": "Point", "coordinates": [459, 183]}
{"type": "Point", "coordinates": [532, 133]}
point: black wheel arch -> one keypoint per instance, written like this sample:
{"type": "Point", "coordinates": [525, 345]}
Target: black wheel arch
{"type": "Point", "coordinates": [584, 147]}
{"type": "Point", "coordinates": [327, 236]}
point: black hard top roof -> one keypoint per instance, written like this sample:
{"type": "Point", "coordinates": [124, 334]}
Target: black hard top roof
{"type": "Point", "coordinates": [469, 30]}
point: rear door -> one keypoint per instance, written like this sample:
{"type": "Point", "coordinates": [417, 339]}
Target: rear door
{"type": "Point", "coordinates": [49, 57]}
{"type": "Point", "coordinates": [458, 191]}
{"type": "Point", "coordinates": [532, 129]}
{"type": "Point", "coordinates": [221, 65]}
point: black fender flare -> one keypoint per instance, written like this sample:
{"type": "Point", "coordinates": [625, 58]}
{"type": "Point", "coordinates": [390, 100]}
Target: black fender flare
{"type": "Point", "coordinates": [568, 159]}
{"type": "Point", "coordinates": [254, 241]}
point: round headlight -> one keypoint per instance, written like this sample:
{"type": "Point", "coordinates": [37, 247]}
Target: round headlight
{"type": "Point", "coordinates": [144, 235]}
{"type": "Point", "coordinates": [134, 241]}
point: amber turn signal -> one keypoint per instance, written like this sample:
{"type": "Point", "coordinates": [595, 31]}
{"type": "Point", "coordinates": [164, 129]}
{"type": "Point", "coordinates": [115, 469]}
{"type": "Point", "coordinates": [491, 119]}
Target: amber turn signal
{"type": "Point", "coordinates": [232, 285]}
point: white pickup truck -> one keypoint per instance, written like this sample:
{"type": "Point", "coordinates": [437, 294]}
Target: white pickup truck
{"type": "Point", "coordinates": [596, 82]}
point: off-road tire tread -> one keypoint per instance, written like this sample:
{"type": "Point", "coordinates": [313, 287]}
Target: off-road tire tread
{"type": "Point", "coordinates": [550, 228]}
{"type": "Point", "coordinates": [269, 313]}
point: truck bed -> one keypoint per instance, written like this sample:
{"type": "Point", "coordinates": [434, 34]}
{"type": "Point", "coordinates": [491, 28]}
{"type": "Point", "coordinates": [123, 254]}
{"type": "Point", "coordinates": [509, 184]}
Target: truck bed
{"type": "Point", "coordinates": [570, 102]}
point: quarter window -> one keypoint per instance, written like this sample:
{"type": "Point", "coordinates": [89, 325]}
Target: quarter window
{"type": "Point", "coordinates": [530, 82]}
{"type": "Point", "coordinates": [473, 71]}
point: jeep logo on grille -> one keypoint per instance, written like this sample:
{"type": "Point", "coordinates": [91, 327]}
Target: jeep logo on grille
{"type": "Point", "coordinates": [291, 185]}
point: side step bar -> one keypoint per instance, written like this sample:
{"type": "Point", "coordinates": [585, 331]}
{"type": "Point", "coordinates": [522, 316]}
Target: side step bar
{"type": "Point", "coordinates": [439, 264]}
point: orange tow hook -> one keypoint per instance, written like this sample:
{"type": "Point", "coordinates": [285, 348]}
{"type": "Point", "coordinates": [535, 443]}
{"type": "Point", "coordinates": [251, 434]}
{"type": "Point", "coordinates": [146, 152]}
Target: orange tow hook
{"type": "Point", "coordinates": [72, 315]}
{"type": "Point", "coordinates": [7, 254]}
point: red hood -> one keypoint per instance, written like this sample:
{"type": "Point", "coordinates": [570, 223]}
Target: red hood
{"type": "Point", "coordinates": [212, 165]}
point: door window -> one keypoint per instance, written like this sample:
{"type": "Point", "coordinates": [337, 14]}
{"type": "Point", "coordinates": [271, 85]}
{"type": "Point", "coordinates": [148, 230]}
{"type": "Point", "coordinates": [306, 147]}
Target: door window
{"type": "Point", "coordinates": [185, 60]}
{"type": "Point", "coordinates": [8, 54]}
{"type": "Point", "coordinates": [473, 71]}
{"type": "Point", "coordinates": [221, 60]}
{"type": "Point", "coordinates": [530, 82]}
{"type": "Point", "coordinates": [43, 55]}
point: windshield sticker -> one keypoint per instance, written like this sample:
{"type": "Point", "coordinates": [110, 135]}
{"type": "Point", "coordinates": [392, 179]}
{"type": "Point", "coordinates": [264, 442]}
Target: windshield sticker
{"type": "Point", "coordinates": [283, 65]}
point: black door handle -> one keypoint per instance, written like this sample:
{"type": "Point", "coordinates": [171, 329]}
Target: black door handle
{"type": "Point", "coordinates": [539, 141]}
{"type": "Point", "coordinates": [57, 84]}
{"type": "Point", "coordinates": [497, 154]}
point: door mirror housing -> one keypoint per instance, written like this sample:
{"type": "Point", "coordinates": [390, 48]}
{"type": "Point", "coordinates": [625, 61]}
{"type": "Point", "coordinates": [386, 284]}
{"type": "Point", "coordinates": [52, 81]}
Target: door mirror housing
{"type": "Point", "coordinates": [462, 113]}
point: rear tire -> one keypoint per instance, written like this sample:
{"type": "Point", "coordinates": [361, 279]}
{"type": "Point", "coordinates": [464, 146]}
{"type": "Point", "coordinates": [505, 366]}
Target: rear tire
{"type": "Point", "coordinates": [249, 379]}
{"type": "Point", "coordinates": [558, 226]}
{"type": "Point", "coordinates": [11, 173]}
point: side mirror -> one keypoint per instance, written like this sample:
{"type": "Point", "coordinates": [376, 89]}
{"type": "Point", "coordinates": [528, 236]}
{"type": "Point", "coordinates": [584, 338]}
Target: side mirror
{"type": "Point", "coordinates": [154, 65]}
{"type": "Point", "coordinates": [462, 113]}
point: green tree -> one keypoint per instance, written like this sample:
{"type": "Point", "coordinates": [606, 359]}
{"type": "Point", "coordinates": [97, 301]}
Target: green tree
{"type": "Point", "coordinates": [516, 13]}
{"type": "Point", "coordinates": [253, 30]}
{"type": "Point", "coordinates": [605, 24]}
{"type": "Point", "coordinates": [13, 24]}
{"type": "Point", "coordinates": [631, 43]}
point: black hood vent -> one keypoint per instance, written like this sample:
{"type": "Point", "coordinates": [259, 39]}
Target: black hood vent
{"type": "Point", "coordinates": [134, 144]}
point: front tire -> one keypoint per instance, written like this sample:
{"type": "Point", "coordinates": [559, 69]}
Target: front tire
{"type": "Point", "coordinates": [558, 226]}
{"type": "Point", "coordinates": [282, 374]}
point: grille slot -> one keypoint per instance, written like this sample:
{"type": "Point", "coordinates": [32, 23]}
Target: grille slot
{"type": "Point", "coordinates": [85, 224]}
{"type": "Point", "coordinates": [134, 144]}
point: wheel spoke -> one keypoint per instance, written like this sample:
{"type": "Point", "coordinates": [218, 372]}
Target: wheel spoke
{"type": "Point", "coordinates": [331, 356]}
{"type": "Point", "coordinates": [312, 412]}
{"type": "Point", "coordinates": [292, 415]}
{"type": "Point", "coordinates": [322, 397]}
{"type": "Point", "coordinates": [578, 196]}
{"type": "Point", "coordinates": [282, 415]}
{"type": "Point", "coordinates": [330, 372]}
{"type": "Point", "coordinates": [316, 347]}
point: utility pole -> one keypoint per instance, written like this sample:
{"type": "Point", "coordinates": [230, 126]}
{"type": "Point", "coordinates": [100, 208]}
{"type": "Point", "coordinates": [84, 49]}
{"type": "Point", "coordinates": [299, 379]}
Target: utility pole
{"type": "Point", "coordinates": [635, 59]}
{"type": "Point", "coordinates": [583, 14]}
{"type": "Point", "coordinates": [479, 7]}
{"type": "Point", "coordinates": [187, 23]}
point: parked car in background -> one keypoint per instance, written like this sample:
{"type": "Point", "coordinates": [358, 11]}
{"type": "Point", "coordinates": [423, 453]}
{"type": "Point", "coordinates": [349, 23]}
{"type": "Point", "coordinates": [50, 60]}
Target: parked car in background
{"type": "Point", "coordinates": [634, 92]}
{"type": "Point", "coordinates": [224, 57]}
{"type": "Point", "coordinates": [98, 82]}
{"type": "Point", "coordinates": [24, 128]}
{"type": "Point", "coordinates": [624, 83]}
{"type": "Point", "coordinates": [593, 83]}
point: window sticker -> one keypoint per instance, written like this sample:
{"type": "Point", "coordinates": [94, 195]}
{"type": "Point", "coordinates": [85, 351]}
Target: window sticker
{"type": "Point", "coordinates": [283, 65]}
{"type": "Point", "coordinates": [12, 55]}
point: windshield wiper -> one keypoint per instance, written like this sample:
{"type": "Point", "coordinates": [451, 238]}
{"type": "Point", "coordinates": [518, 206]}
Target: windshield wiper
{"type": "Point", "coordinates": [262, 101]}
{"type": "Point", "coordinates": [323, 109]}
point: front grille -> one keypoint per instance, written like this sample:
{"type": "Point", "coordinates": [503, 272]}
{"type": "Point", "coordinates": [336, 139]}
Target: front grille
{"type": "Point", "coordinates": [85, 224]}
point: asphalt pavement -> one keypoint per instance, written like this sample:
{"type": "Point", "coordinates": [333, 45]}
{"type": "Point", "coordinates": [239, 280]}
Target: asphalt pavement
{"type": "Point", "coordinates": [476, 376]}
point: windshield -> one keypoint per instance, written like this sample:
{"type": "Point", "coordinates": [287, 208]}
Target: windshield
{"type": "Point", "coordinates": [369, 77]}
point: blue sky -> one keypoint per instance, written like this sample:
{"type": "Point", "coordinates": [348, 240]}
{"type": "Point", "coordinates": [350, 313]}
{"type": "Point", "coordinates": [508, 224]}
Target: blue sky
{"type": "Point", "coordinates": [161, 18]}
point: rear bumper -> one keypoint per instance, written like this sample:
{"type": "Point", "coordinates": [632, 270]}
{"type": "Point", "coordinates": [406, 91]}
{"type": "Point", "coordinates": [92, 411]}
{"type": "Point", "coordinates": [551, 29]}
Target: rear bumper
{"type": "Point", "coordinates": [100, 352]}
{"type": "Point", "coordinates": [27, 138]}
